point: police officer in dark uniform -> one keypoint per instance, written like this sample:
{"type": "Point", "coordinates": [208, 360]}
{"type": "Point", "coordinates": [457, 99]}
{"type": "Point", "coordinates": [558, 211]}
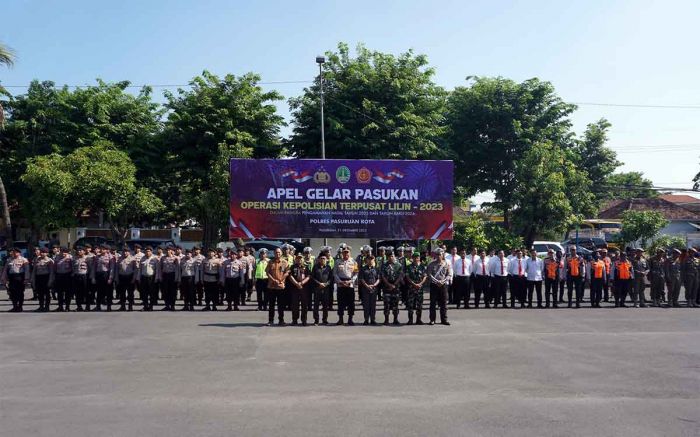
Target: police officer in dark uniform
{"type": "Point", "coordinates": [322, 282]}
{"type": "Point", "coordinates": [42, 279]}
{"type": "Point", "coordinates": [63, 265]}
{"type": "Point", "coordinates": [15, 274]}
{"type": "Point", "coordinates": [125, 278]}
{"type": "Point", "coordinates": [392, 273]}
{"type": "Point", "coordinates": [82, 268]}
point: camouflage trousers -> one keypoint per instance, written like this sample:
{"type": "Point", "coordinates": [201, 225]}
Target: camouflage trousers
{"type": "Point", "coordinates": [415, 299]}
{"type": "Point", "coordinates": [391, 301]}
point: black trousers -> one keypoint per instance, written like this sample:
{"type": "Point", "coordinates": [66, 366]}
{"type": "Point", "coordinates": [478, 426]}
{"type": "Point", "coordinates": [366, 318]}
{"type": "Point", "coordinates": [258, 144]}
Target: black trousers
{"type": "Point", "coordinates": [606, 290]}
{"type": "Point", "coordinates": [104, 289]}
{"type": "Point", "coordinates": [187, 290]}
{"type": "Point", "coordinates": [518, 286]}
{"type": "Point", "coordinates": [346, 301]}
{"type": "Point", "coordinates": [596, 291]}
{"type": "Point", "coordinates": [125, 290]}
{"type": "Point", "coordinates": [41, 286]}
{"type": "Point", "coordinates": [481, 288]}
{"type": "Point", "coordinates": [576, 283]}
{"type": "Point", "coordinates": [211, 293]}
{"type": "Point", "coordinates": [260, 289]}
{"type": "Point", "coordinates": [146, 285]}
{"type": "Point", "coordinates": [537, 287]}
{"type": "Point", "coordinates": [234, 290]}
{"type": "Point", "coordinates": [550, 291]}
{"type": "Point", "coordinates": [15, 288]}
{"type": "Point", "coordinates": [169, 289]}
{"type": "Point", "coordinates": [275, 297]}
{"type": "Point", "coordinates": [461, 285]}
{"type": "Point", "coordinates": [623, 287]}
{"type": "Point", "coordinates": [438, 298]}
{"type": "Point", "coordinates": [80, 288]}
{"type": "Point", "coordinates": [322, 299]}
{"type": "Point", "coordinates": [300, 301]}
{"type": "Point", "coordinates": [499, 285]}
{"type": "Point", "coordinates": [62, 285]}
{"type": "Point", "coordinates": [200, 292]}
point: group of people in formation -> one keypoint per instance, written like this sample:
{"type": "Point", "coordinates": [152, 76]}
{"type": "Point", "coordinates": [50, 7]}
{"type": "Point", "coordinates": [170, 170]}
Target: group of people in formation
{"type": "Point", "coordinates": [303, 283]}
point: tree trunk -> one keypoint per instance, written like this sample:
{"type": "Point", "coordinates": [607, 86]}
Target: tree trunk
{"type": "Point", "coordinates": [6, 214]}
{"type": "Point", "coordinates": [506, 217]}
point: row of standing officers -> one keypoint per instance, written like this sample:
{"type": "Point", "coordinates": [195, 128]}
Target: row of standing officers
{"type": "Point", "coordinates": [303, 282]}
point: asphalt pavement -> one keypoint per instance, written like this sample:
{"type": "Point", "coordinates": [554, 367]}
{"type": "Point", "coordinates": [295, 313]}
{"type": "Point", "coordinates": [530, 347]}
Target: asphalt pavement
{"type": "Point", "coordinates": [505, 372]}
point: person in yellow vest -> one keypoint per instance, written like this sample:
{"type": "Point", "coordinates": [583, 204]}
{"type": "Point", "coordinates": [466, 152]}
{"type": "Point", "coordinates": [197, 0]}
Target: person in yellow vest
{"type": "Point", "coordinates": [623, 274]}
{"type": "Point", "coordinates": [597, 276]}
{"type": "Point", "coordinates": [551, 278]}
{"type": "Point", "coordinates": [261, 279]}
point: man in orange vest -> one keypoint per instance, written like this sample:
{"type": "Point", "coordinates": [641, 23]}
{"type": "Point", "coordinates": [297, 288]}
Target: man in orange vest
{"type": "Point", "coordinates": [597, 275]}
{"type": "Point", "coordinates": [551, 278]}
{"type": "Point", "coordinates": [608, 269]}
{"type": "Point", "coordinates": [623, 275]}
{"type": "Point", "coordinates": [575, 274]}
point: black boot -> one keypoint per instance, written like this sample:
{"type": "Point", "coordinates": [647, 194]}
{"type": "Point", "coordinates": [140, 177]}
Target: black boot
{"type": "Point", "coordinates": [410, 318]}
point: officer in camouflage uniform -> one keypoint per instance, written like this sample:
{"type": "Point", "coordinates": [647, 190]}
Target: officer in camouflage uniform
{"type": "Point", "coordinates": [689, 271]}
{"type": "Point", "coordinates": [641, 268]}
{"type": "Point", "coordinates": [380, 260]}
{"type": "Point", "coordinates": [416, 277]}
{"type": "Point", "coordinates": [673, 277]}
{"type": "Point", "coordinates": [401, 259]}
{"type": "Point", "coordinates": [391, 273]}
{"type": "Point", "coordinates": [657, 273]}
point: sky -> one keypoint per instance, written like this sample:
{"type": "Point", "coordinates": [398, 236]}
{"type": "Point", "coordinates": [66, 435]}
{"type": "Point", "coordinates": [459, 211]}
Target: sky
{"type": "Point", "coordinates": [602, 52]}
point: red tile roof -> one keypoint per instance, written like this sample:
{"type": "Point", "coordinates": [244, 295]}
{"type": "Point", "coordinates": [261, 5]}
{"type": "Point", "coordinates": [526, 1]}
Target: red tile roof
{"type": "Point", "coordinates": [680, 198]}
{"type": "Point", "coordinates": [670, 210]}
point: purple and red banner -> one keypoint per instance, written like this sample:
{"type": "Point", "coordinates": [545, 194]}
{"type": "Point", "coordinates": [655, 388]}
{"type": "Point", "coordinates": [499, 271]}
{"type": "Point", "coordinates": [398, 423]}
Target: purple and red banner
{"type": "Point", "coordinates": [341, 198]}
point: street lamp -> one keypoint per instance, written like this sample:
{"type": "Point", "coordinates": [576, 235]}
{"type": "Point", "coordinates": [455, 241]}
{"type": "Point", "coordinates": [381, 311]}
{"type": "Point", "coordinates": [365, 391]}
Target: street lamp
{"type": "Point", "coordinates": [320, 60]}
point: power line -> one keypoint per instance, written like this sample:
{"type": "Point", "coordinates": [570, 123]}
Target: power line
{"type": "Point", "coordinates": [632, 105]}
{"type": "Point", "coordinates": [181, 85]}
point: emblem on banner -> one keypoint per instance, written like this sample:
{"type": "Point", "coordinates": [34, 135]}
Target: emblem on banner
{"type": "Point", "coordinates": [322, 177]}
{"type": "Point", "coordinates": [363, 175]}
{"type": "Point", "coordinates": [342, 174]}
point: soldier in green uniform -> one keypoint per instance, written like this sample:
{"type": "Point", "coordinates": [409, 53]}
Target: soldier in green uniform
{"type": "Point", "coordinates": [673, 277]}
{"type": "Point", "coordinates": [391, 279]}
{"type": "Point", "coordinates": [382, 256]}
{"type": "Point", "coordinates": [401, 259]}
{"type": "Point", "coordinates": [416, 278]}
{"type": "Point", "coordinates": [689, 276]}
{"type": "Point", "coordinates": [657, 276]}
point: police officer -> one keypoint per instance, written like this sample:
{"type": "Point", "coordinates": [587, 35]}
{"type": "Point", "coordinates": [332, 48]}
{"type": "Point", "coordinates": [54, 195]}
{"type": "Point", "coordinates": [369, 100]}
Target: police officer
{"type": "Point", "coordinates": [42, 279]}
{"type": "Point", "coordinates": [299, 276]}
{"type": "Point", "coordinates": [380, 260]}
{"type": "Point", "coordinates": [322, 282]}
{"type": "Point", "coordinates": [344, 272]}
{"type": "Point", "coordinates": [261, 279]}
{"type": "Point", "coordinates": [15, 275]}
{"type": "Point", "coordinates": [250, 273]}
{"type": "Point", "coordinates": [55, 255]}
{"type": "Point", "coordinates": [232, 277]}
{"type": "Point", "coordinates": [309, 261]}
{"type": "Point", "coordinates": [126, 279]}
{"type": "Point", "coordinates": [210, 279]}
{"type": "Point", "coordinates": [673, 277]}
{"type": "Point", "coordinates": [392, 273]}
{"type": "Point", "coordinates": [416, 277]}
{"type": "Point", "coordinates": [81, 279]}
{"type": "Point", "coordinates": [103, 276]}
{"type": "Point", "coordinates": [199, 287]}
{"type": "Point", "coordinates": [188, 278]}
{"type": "Point", "coordinates": [146, 278]}
{"type": "Point", "coordinates": [63, 265]}
{"type": "Point", "coordinates": [575, 274]}
{"type": "Point", "coordinates": [438, 274]}
{"type": "Point", "coordinates": [277, 271]}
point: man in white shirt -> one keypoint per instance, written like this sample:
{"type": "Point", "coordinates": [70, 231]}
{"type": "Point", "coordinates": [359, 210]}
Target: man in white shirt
{"type": "Point", "coordinates": [451, 258]}
{"type": "Point", "coordinates": [480, 280]}
{"type": "Point", "coordinates": [517, 279]}
{"type": "Point", "coordinates": [498, 270]}
{"type": "Point", "coordinates": [462, 272]}
{"type": "Point", "coordinates": [534, 269]}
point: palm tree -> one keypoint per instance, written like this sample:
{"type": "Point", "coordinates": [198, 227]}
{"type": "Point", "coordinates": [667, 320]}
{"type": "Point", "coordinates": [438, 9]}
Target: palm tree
{"type": "Point", "coordinates": [7, 58]}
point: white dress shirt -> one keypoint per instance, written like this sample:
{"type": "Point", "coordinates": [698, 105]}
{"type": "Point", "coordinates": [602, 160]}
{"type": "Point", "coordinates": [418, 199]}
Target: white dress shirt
{"type": "Point", "coordinates": [534, 268]}
{"type": "Point", "coordinates": [462, 267]}
{"type": "Point", "coordinates": [516, 267]}
{"type": "Point", "coordinates": [498, 267]}
{"type": "Point", "coordinates": [481, 267]}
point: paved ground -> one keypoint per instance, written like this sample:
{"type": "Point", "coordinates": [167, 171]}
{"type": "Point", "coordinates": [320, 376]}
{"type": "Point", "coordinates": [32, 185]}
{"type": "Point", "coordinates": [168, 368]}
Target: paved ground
{"type": "Point", "coordinates": [633, 372]}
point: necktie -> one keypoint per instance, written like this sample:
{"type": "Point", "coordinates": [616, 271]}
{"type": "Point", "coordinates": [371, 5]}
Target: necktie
{"type": "Point", "coordinates": [502, 267]}
{"type": "Point", "coordinates": [463, 262]}
{"type": "Point", "coordinates": [483, 268]}
{"type": "Point", "coordinates": [520, 268]}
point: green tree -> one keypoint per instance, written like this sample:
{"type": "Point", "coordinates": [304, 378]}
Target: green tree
{"type": "Point", "coordinates": [595, 158]}
{"type": "Point", "coordinates": [551, 193]}
{"type": "Point", "coordinates": [7, 58]}
{"type": "Point", "coordinates": [493, 122]}
{"type": "Point", "coordinates": [377, 105]}
{"type": "Point", "coordinates": [501, 238]}
{"type": "Point", "coordinates": [471, 232]}
{"type": "Point", "coordinates": [95, 179]}
{"type": "Point", "coordinates": [629, 185]}
{"type": "Point", "coordinates": [667, 242]}
{"type": "Point", "coordinates": [641, 225]}
{"type": "Point", "coordinates": [217, 119]}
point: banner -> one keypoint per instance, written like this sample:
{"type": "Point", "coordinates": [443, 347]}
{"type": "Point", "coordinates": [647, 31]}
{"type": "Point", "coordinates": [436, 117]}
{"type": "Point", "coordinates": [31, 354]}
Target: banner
{"type": "Point", "coordinates": [340, 198]}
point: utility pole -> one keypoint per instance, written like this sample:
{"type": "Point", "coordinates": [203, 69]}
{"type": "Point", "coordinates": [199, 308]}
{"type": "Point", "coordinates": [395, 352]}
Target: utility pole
{"type": "Point", "coordinates": [320, 60]}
